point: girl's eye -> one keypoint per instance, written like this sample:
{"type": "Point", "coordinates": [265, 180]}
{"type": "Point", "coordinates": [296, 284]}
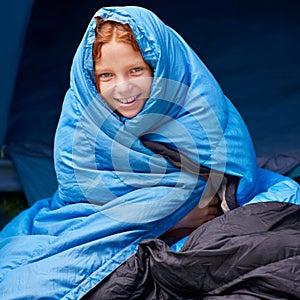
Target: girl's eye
{"type": "Point", "coordinates": [137, 70]}
{"type": "Point", "coordinates": [105, 76]}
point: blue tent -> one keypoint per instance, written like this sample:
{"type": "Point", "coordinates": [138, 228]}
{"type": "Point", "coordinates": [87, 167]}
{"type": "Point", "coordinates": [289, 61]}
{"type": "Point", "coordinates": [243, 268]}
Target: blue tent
{"type": "Point", "coordinates": [251, 47]}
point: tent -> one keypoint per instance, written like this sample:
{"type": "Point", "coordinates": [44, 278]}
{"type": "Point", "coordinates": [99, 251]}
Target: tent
{"type": "Point", "coordinates": [252, 48]}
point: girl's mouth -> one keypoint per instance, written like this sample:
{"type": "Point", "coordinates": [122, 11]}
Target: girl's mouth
{"type": "Point", "coordinates": [126, 100]}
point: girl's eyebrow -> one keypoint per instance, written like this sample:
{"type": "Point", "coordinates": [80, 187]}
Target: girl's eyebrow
{"type": "Point", "coordinates": [100, 69]}
{"type": "Point", "coordinates": [136, 63]}
{"type": "Point", "coordinates": [106, 69]}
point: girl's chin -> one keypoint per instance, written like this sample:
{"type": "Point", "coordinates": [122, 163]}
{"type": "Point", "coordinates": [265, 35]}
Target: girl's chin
{"type": "Point", "coordinates": [127, 115]}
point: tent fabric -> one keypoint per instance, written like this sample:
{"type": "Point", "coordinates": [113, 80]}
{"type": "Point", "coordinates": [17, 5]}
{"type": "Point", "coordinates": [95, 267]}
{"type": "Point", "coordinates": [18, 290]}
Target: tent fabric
{"type": "Point", "coordinates": [63, 246]}
{"type": "Point", "coordinates": [283, 163]}
{"type": "Point", "coordinates": [9, 180]}
{"type": "Point", "coordinates": [40, 170]}
{"type": "Point", "coordinates": [33, 163]}
{"type": "Point", "coordinates": [11, 51]}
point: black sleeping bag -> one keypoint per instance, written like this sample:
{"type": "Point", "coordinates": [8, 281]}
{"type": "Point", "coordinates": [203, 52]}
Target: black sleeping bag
{"type": "Point", "coordinates": [251, 252]}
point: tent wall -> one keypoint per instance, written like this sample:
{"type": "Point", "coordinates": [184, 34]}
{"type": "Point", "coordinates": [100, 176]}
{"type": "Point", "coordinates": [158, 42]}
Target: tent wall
{"type": "Point", "coordinates": [14, 16]}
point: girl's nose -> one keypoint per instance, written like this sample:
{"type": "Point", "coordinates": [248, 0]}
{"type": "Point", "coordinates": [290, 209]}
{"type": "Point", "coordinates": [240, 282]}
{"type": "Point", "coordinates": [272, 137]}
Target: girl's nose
{"type": "Point", "coordinates": [123, 85]}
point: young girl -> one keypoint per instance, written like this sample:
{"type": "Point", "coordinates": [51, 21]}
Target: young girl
{"type": "Point", "coordinates": [147, 144]}
{"type": "Point", "coordinates": [124, 80]}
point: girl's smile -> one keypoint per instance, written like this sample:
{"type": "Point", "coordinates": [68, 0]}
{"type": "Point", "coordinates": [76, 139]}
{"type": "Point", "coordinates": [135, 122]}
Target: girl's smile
{"type": "Point", "coordinates": [124, 78]}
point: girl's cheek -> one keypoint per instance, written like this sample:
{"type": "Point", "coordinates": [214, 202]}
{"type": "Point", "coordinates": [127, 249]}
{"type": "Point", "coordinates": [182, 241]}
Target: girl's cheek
{"type": "Point", "coordinates": [103, 88]}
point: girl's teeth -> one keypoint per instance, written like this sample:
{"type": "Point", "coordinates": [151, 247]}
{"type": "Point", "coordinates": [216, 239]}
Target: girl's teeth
{"type": "Point", "coordinates": [127, 100]}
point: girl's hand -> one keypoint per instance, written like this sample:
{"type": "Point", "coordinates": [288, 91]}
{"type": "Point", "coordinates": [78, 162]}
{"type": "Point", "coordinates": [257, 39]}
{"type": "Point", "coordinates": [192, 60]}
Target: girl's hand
{"type": "Point", "coordinates": [195, 218]}
{"type": "Point", "coordinates": [198, 216]}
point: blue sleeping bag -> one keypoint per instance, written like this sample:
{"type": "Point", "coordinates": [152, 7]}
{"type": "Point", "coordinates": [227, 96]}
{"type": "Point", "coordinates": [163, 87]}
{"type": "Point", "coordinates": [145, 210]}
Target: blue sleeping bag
{"type": "Point", "coordinates": [113, 191]}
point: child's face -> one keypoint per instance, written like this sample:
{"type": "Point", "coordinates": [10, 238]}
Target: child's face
{"type": "Point", "coordinates": [124, 78]}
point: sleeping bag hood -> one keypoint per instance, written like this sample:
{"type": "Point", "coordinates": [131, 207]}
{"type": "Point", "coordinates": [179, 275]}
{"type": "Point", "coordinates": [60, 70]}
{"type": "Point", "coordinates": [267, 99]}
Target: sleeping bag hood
{"type": "Point", "coordinates": [186, 111]}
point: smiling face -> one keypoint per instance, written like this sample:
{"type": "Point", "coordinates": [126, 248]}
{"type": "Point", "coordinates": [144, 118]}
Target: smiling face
{"type": "Point", "coordinates": [123, 77]}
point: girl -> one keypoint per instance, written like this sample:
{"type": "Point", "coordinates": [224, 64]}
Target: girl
{"type": "Point", "coordinates": [124, 80]}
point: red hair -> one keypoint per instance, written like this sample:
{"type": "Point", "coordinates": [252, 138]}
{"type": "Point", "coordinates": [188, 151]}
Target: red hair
{"type": "Point", "coordinates": [107, 31]}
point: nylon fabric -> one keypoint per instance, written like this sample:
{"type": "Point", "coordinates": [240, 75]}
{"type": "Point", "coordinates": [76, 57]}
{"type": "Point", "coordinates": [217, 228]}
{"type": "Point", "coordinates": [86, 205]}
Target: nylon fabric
{"type": "Point", "coordinates": [249, 253]}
